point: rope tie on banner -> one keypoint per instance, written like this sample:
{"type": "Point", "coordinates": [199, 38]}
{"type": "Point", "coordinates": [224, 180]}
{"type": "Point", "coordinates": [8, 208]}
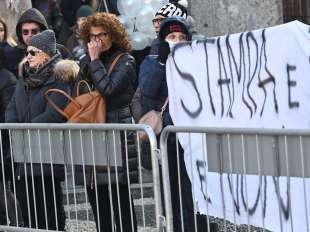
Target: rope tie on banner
{"type": "Point", "coordinates": [105, 5]}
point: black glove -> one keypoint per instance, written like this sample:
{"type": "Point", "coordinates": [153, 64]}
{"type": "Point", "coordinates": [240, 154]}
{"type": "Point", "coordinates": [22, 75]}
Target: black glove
{"type": "Point", "coordinates": [163, 52]}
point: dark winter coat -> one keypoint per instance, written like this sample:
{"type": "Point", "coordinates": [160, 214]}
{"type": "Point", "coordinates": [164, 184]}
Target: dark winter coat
{"type": "Point", "coordinates": [7, 87]}
{"type": "Point", "coordinates": [153, 87]}
{"type": "Point", "coordinates": [155, 46]}
{"type": "Point", "coordinates": [118, 90]}
{"type": "Point", "coordinates": [28, 105]}
{"type": "Point", "coordinates": [10, 57]}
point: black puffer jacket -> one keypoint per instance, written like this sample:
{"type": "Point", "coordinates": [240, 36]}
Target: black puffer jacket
{"type": "Point", "coordinates": [28, 105]}
{"type": "Point", "coordinates": [7, 87]}
{"type": "Point", "coordinates": [118, 90]}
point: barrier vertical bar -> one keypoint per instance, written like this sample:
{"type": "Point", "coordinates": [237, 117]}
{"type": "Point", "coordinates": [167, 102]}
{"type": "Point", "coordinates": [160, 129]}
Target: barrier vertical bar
{"type": "Point", "coordinates": [73, 179]}
{"type": "Point", "coordinates": [204, 143]}
{"type": "Point", "coordinates": [42, 178]}
{"type": "Point", "coordinates": [166, 182]}
{"type": "Point", "coordinates": [232, 180]}
{"type": "Point", "coordinates": [3, 180]}
{"type": "Point", "coordinates": [32, 180]}
{"type": "Point", "coordinates": [245, 180]}
{"type": "Point", "coordinates": [14, 183]}
{"type": "Point", "coordinates": [220, 158]}
{"type": "Point", "coordinates": [84, 173]}
{"type": "Point", "coordinates": [289, 181]}
{"type": "Point", "coordinates": [260, 175]}
{"type": "Point", "coordinates": [53, 179]}
{"type": "Point", "coordinates": [128, 181]}
{"type": "Point", "coordinates": [303, 180]}
{"type": "Point", "coordinates": [179, 183]}
{"type": "Point", "coordinates": [117, 183]}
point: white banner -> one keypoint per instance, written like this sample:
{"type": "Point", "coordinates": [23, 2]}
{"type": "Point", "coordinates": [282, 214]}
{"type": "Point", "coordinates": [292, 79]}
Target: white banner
{"type": "Point", "coordinates": [257, 79]}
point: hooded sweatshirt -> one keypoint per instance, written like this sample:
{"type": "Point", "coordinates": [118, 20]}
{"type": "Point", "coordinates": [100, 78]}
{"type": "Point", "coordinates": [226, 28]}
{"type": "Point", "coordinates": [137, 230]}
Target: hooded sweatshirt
{"type": "Point", "coordinates": [31, 15]}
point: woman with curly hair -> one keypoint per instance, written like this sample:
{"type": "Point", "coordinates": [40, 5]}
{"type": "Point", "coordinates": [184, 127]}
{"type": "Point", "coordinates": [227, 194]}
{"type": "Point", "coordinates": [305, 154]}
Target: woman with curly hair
{"type": "Point", "coordinates": [106, 40]}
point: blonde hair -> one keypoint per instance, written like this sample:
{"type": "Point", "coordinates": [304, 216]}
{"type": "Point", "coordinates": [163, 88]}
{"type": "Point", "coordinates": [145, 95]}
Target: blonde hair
{"type": "Point", "coordinates": [66, 70]}
{"type": "Point", "coordinates": [7, 37]}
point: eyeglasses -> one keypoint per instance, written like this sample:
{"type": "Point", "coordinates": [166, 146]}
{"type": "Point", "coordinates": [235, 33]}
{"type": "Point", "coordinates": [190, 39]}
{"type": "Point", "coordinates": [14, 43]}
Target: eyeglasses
{"type": "Point", "coordinates": [158, 20]}
{"type": "Point", "coordinates": [100, 35]}
{"type": "Point", "coordinates": [32, 52]}
{"type": "Point", "coordinates": [32, 31]}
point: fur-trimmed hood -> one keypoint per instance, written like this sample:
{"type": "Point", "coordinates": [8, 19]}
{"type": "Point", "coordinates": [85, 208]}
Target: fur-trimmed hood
{"type": "Point", "coordinates": [66, 70]}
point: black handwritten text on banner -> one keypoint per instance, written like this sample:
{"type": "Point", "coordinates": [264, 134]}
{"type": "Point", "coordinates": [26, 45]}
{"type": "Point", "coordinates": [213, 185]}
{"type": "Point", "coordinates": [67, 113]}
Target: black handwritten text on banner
{"type": "Point", "coordinates": [257, 79]}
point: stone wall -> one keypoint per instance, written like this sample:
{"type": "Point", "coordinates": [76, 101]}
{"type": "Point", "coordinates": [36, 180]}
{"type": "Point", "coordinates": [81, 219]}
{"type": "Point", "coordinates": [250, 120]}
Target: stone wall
{"type": "Point", "coordinates": [219, 17]}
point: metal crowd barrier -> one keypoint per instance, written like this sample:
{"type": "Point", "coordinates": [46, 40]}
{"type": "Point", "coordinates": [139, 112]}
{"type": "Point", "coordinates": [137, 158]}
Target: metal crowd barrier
{"type": "Point", "coordinates": [233, 160]}
{"type": "Point", "coordinates": [83, 157]}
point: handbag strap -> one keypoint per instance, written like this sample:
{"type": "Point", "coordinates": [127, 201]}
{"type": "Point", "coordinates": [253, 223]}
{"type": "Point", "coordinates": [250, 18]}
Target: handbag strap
{"type": "Point", "coordinates": [164, 107]}
{"type": "Point", "coordinates": [114, 63]}
{"type": "Point", "coordinates": [79, 85]}
{"type": "Point", "coordinates": [54, 106]}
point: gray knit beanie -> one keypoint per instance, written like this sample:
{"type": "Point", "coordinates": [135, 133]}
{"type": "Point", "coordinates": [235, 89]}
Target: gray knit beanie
{"type": "Point", "coordinates": [44, 41]}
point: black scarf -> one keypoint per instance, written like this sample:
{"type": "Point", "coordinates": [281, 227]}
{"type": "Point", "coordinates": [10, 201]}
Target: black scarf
{"type": "Point", "coordinates": [37, 77]}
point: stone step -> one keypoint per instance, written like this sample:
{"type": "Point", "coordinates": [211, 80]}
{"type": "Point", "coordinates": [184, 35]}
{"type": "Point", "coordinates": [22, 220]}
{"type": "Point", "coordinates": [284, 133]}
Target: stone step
{"type": "Point", "coordinates": [80, 216]}
{"type": "Point", "coordinates": [78, 195]}
{"type": "Point", "coordinates": [90, 226]}
{"type": "Point", "coordinates": [83, 212]}
{"type": "Point", "coordinates": [146, 177]}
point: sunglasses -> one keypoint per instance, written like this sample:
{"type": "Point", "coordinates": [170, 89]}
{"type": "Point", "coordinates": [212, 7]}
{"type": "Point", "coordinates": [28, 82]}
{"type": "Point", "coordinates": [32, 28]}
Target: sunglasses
{"type": "Point", "coordinates": [32, 31]}
{"type": "Point", "coordinates": [157, 20]}
{"type": "Point", "coordinates": [32, 52]}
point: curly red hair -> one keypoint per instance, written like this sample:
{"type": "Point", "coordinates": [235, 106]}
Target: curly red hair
{"type": "Point", "coordinates": [110, 23]}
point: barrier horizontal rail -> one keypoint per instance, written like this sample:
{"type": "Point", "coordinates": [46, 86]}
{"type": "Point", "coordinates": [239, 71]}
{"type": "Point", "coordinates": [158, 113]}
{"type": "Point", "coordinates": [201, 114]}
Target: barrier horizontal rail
{"type": "Point", "coordinates": [279, 157]}
{"type": "Point", "coordinates": [99, 153]}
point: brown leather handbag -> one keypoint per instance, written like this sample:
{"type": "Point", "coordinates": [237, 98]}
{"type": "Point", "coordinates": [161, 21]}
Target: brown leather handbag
{"type": "Point", "coordinates": [154, 119]}
{"type": "Point", "coordinates": [89, 107]}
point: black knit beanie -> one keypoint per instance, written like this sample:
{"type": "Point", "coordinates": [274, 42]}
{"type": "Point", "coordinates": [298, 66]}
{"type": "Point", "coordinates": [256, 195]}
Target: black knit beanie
{"type": "Point", "coordinates": [172, 9]}
{"type": "Point", "coordinates": [84, 11]}
{"type": "Point", "coordinates": [44, 41]}
{"type": "Point", "coordinates": [173, 24]}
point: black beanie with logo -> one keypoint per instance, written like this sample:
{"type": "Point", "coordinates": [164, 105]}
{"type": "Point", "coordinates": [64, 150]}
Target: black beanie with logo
{"type": "Point", "coordinates": [172, 9]}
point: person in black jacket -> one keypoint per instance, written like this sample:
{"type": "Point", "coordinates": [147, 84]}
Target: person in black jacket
{"type": "Point", "coordinates": [29, 24]}
{"type": "Point", "coordinates": [154, 92]}
{"type": "Point", "coordinates": [28, 105]}
{"type": "Point", "coordinates": [7, 212]}
{"type": "Point", "coordinates": [7, 87]}
{"type": "Point", "coordinates": [105, 38]}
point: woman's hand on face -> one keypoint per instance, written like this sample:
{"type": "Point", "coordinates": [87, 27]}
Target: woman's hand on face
{"type": "Point", "coordinates": [94, 49]}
